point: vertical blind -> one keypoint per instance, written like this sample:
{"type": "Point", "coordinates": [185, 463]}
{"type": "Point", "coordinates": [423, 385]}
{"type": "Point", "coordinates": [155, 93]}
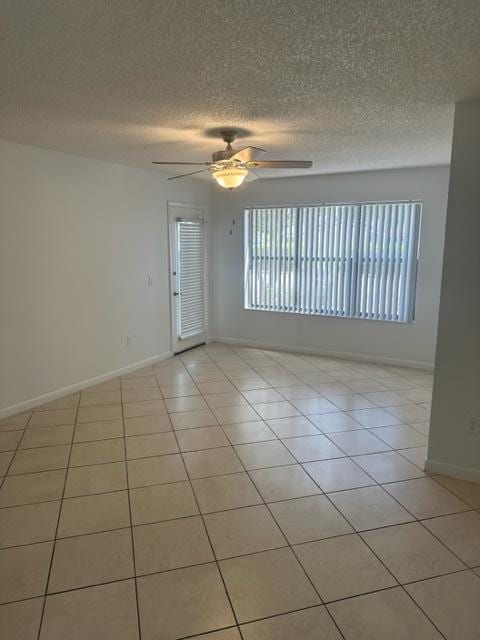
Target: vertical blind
{"type": "Point", "coordinates": [191, 277]}
{"type": "Point", "coordinates": [345, 260]}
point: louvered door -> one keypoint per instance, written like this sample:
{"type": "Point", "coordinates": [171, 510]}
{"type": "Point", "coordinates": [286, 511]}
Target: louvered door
{"type": "Point", "coordinates": [188, 264]}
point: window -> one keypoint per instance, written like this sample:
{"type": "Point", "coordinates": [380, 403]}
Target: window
{"type": "Point", "coordinates": [344, 260]}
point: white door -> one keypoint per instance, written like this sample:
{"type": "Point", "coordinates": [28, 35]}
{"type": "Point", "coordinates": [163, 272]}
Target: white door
{"type": "Point", "coordinates": [188, 261]}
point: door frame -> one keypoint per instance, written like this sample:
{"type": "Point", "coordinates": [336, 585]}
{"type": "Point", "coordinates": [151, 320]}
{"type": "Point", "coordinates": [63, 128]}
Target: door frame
{"type": "Point", "coordinates": [171, 219]}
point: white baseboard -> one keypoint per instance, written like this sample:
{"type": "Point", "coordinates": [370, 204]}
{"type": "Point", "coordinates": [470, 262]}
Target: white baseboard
{"type": "Point", "coordinates": [78, 386]}
{"type": "Point", "coordinates": [453, 470]}
{"type": "Point", "coordinates": [345, 355]}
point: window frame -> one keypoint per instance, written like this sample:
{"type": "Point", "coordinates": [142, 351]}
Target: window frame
{"type": "Point", "coordinates": [356, 259]}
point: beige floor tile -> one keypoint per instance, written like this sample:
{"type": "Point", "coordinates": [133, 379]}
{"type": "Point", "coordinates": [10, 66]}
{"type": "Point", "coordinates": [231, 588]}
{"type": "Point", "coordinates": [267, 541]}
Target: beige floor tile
{"type": "Point", "coordinates": [370, 418]}
{"type": "Point", "coordinates": [201, 438]}
{"type": "Point", "coordinates": [309, 448]}
{"type": "Point", "coordinates": [41, 459]}
{"type": "Point", "coordinates": [329, 389]}
{"type": "Point", "coordinates": [337, 475]}
{"type": "Point", "coordinates": [343, 567]}
{"type": "Point", "coordinates": [182, 603]}
{"type": "Point", "coordinates": [409, 413]}
{"type": "Point", "coordinates": [366, 386]}
{"type": "Point", "coordinates": [273, 410]}
{"type": "Point", "coordinates": [411, 552]}
{"type": "Point", "coordinates": [179, 390]}
{"type": "Point", "coordinates": [308, 519]}
{"type": "Point", "coordinates": [24, 571]}
{"type": "Point", "coordinates": [425, 498]}
{"type": "Point", "coordinates": [400, 437]}
{"type": "Point", "coordinates": [143, 425]}
{"type": "Point", "coordinates": [21, 620]}
{"type": "Point", "coordinates": [140, 382]}
{"type": "Point", "coordinates": [170, 545]}
{"type": "Point", "coordinates": [185, 403]}
{"type": "Point", "coordinates": [282, 483]}
{"type": "Point", "coordinates": [207, 388]}
{"type": "Point", "coordinates": [16, 421]}
{"type": "Point", "coordinates": [334, 422]}
{"type": "Point", "coordinates": [103, 611]}
{"type": "Point", "coordinates": [46, 436]}
{"type": "Point", "coordinates": [94, 513]}
{"type": "Point", "coordinates": [314, 406]}
{"type": "Point", "coordinates": [162, 502]}
{"type": "Point", "coordinates": [388, 467]}
{"type": "Point", "coordinates": [212, 462]}
{"type": "Point", "coordinates": [28, 523]}
{"type": "Point", "coordinates": [157, 470]}
{"type": "Point", "coordinates": [91, 559]}
{"type": "Point", "coordinates": [252, 383]}
{"type": "Point", "coordinates": [228, 399]}
{"type": "Point", "coordinates": [467, 491]}
{"type": "Point", "coordinates": [259, 455]}
{"type": "Point", "coordinates": [98, 452]}
{"type": "Point", "coordinates": [266, 584]}
{"type": "Point", "coordinates": [451, 602]}
{"type": "Point", "coordinates": [154, 444]}
{"type": "Point", "coordinates": [245, 432]}
{"type": "Point", "coordinates": [369, 508]}
{"type": "Point", "coordinates": [386, 614]}
{"type": "Point", "coordinates": [141, 395]}
{"type": "Point", "coordinates": [96, 414]}
{"type": "Point", "coordinates": [193, 419]}
{"type": "Point", "coordinates": [5, 459]}
{"type": "Point", "coordinates": [293, 426]}
{"type": "Point", "coordinates": [100, 478]}
{"type": "Point", "coordinates": [52, 418]}
{"type": "Point", "coordinates": [386, 398]}
{"type": "Point", "coordinates": [416, 456]}
{"type": "Point", "coordinates": [145, 408]}
{"type": "Point", "coordinates": [309, 624]}
{"type": "Point", "coordinates": [100, 398]}
{"type": "Point", "coordinates": [297, 392]}
{"type": "Point", "coordinates": [235, 414]}
{"type": "Point", "coordinates": [422, 427]}
{"type": "Point", "coordinates": [256, 396]}
{"type": "Point", "coordinates": [357, 443]}
{"type": "Point", "coordinates": [461, 533]}
{"type": "Point", "coordinates": [9, 440]}
{"type": "Point", "coordinates": [225, 634]}
{"type": "Point", "coordinates": [225, 492]}
{"type": "Point", "coordinates": [32, 488]}
{"type": "Point", "coordinates": [243, 531]}
{"type": "Point", "coordinates": [102, 430]}
{"type": "Point", "coordinates": [351, 401]}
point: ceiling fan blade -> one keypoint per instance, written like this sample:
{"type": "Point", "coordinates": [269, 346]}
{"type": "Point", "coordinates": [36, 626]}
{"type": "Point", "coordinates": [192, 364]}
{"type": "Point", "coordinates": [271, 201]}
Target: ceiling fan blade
{"type": "Point", "coordinates": [247, 154]}
{"type": "Point", "coordinates": [191, 163]}
{"type": "Point", "coordinates": [251, 176]}
{"type": "Point", "coordinates": [184, 175]}
{"type": "Point", "coordinates": [282, 164]}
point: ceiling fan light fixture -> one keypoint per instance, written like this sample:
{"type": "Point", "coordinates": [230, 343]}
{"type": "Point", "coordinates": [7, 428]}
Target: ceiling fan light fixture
{"type": "Point", "coordinates": [230, 177]}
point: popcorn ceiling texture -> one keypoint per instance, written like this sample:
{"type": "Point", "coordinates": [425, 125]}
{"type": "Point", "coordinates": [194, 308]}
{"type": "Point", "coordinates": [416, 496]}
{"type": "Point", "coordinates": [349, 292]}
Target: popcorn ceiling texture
{"type": "Point", "coordinates": [349, 84]}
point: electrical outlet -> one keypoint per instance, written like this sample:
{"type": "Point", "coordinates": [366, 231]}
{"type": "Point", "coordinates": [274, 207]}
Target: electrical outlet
{"type": "Point", "coordinates": [473, 426]}
{"type": "Point", "coordinates": [150, 281]}
{"type": "Point", "coordinates": [129, 341]}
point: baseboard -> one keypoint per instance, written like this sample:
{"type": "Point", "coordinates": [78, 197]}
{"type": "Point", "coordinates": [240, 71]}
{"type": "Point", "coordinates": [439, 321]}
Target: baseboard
{"type": "Point", "coordinates": [78, 386]}
{"type": "Point", "coordinates": [345, 355]}
{"type": "Point", "coordinates": [453, 470]}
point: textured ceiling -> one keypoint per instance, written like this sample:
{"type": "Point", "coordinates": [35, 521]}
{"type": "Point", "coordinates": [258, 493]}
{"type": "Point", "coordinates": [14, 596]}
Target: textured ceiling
{"type": "Point", "coordinates": [349, 84]}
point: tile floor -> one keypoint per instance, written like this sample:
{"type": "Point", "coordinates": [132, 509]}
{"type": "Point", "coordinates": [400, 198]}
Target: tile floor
{"type": "Point", "coordinates": [236, 493]}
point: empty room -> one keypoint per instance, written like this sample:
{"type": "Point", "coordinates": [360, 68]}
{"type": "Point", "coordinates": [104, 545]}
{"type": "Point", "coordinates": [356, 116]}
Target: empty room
{"type": "Point", "coordinates": [240, 320]}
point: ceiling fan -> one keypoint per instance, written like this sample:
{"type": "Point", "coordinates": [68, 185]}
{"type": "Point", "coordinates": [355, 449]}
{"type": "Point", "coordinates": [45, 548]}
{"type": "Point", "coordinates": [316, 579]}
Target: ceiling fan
{"type": "Point", "coordinates": [230, 168]}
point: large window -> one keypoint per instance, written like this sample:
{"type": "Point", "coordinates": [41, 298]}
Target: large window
{"type": "Point", "coordinates": [344, 260]}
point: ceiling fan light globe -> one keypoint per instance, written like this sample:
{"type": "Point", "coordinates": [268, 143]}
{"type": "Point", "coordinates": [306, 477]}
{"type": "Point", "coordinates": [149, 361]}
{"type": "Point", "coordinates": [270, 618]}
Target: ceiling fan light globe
{"type": "Point", "coordinates": [231, 177]}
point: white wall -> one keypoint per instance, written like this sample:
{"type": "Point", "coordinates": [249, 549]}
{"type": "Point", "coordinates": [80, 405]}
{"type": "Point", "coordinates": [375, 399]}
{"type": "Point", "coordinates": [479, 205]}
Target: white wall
{"type": "Point", "coordinates": [456, 395]}
{"type": "Point", "coordinates": [407, 343]}
{"type": "Point", "coordinates": [78, 239]}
